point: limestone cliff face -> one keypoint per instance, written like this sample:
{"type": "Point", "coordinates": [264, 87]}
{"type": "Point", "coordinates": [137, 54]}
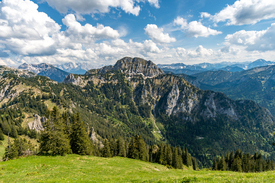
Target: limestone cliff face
{"type": "Point", "coordinates": [37, 123]}
{"type": "Point", "coordinates": [71, 79]}
{"type": "Point", "coordinates": [131, 66]}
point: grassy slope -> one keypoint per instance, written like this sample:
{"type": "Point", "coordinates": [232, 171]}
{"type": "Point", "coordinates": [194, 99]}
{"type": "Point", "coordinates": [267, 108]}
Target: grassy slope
{"type": "Point", "coordinates": [74, 168]}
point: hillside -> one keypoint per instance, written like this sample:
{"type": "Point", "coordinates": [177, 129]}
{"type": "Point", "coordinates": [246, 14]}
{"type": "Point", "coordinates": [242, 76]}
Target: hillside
{"type": "Point", "coordinates": [136, 97]}
{"type": "Point", "coordinates": [96, 169]}
{"type": "Point", "coordinates": [255, 84]}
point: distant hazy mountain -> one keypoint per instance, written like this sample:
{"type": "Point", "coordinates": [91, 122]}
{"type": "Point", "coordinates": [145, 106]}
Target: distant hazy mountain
{"type": "Point", "coordinates": [232, 69]}
{"type": "Point", "coordinates": [44, 69]}
{"type": "Point", "coordinates": [75, 68]}
{"type": "Point", "coordinates": [181, 68]}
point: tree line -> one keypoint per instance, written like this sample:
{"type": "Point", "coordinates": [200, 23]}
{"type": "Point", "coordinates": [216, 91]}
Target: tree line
{"type": "Point", "coordinates": [242, 162]}
{"type": "Point", "coordinates": [64, 134]}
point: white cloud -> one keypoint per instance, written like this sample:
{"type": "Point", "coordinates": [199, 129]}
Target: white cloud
{"type": "Point", "coordinates": [254, 40]}
{"type": "Point", "coordinates": [157, 34]}
{"type": "Point", "coordinates": [194, 28]}
{"type": "Point", "coordinates": [154, 2]}
{"type": "Point", "coordinates": [200, 51]}
{"type": "Point", "coordinates": [205, 15]}
{"type": "Point", "coordinates": [86, 33]}
{"type": "Point", "coordinates": [246, 12]}
{"type": "Point", "coordinates": [98, 6]}
{"type": "Point", "coordinates": [26, 31]}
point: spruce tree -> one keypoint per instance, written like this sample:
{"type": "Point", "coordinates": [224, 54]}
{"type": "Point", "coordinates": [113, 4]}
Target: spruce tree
{"type": "Point", "coordinates": [1, 135]}
{"type": "Point", "coordinates": [237, 165]}
{"type": "Point", "coordinates": [106, 149]}
{"type": "Point", "coordinates": [121, 147]}
{"type": "Point", "coordinates": [132, 149]}
{"type": "Point", "coordinates": [222, 164]}
{"type": "Point", "coordinates": [5, 127]}
{"type": "Point", "coordinates": [188, 158]}
{"type": "Point", "coordinates": [169, 155]}
{"type": "Point", "coordinates": [141, 146]}
{"type": "Point", "coordinates": [175, 161]}
{"type": "Point", "coordinates": [53, 139]}
{"type": "Point", "coordinates": [13, 132]}
{"type": "Point", "coordinates": [194, 162]}
{"type": "Point", "coordinates": [80, 142]}
{"type": "Point", "coordinates": [215, 164]}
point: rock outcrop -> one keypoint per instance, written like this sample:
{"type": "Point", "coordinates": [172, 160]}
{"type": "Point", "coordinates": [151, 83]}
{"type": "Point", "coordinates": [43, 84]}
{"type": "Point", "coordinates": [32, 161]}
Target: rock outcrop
{"type": "Point", "coordinates": [37, 123]}
{"type": "Point", "coordinates": [71, 79]}
{"type": "Point", "coordinates": [131, 66]}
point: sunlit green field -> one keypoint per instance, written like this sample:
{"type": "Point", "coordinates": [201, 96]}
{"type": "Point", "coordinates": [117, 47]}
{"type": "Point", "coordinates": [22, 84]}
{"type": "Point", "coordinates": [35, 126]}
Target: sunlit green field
{"type": "Point", "coordinates": [74, 168]}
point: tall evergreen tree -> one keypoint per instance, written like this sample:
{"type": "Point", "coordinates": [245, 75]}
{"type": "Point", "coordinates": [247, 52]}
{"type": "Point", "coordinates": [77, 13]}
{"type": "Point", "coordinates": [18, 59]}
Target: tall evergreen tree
{"type": "Point", "coordinates": [106, 149]}
{"type": "Point", "coordinates": [175, 162]}
{"type": "Point", "coordinates": [13, 132]}
{"type": "Point", "coordinates": [194, 162]}
{"type": "Point", "coordinates": [80, 142]}
{"type": "Point", "coordinates": [53, 139]}
{"type": "Point", "coordinates": [237, 165]}
{"type": "Point", "coordinates": [121, 147]}
{"type": "Point", "coordinates": [6, 127]}
{"type": "Point", "coordinates": [222, 164]}
{"type": "Point", "coordinates": [1, 135]}
{"type": "Point", "coordinates": [188, 158]}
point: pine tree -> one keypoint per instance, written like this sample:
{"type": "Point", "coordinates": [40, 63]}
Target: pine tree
{"type": "Point", "coordinates": [80, 142]}
{"type": "Point", "coordinates": [1, 135]}
{"type": "Point", "coordinates": [13, 132]}
{"type": "Point", "coordinates": [141, 146]}
{"type": "Point", "coordinates": [175, 161]}
{"type": "Point", "coordinates": [5, 127]}
{"type": "Point", "coordinates": [188, 158]}
{"type": "Point", "coordinates": [121, 147]}
{"type": "Point", "coordinates": [222, 164]}
{"type": "Point", "coordinates": [132, 149]}
{"type": "Point", "coordinates": [106, 149]}
{"type": "Point", "coordinates": [160, 154]}
{"type": "Point", "coordinates": [169, 155]}
{"type": "Point", "coordinates": [237, 165]}
{"type": "Point", "coordinates": [194, 162]}
{"type": "Point", "coordinates": [53, 139]}
{"type": "Point", "coordinates": [215, 164]}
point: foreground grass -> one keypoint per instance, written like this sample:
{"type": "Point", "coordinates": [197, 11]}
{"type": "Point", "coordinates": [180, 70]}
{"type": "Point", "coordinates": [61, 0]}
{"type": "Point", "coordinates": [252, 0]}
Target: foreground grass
{"type": "Point", "coordinates": [74, 168]}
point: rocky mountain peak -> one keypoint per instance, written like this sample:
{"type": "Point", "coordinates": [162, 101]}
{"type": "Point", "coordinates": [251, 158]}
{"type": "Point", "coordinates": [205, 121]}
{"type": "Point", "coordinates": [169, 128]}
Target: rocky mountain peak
{"type": "Point", "coordinates": [132, 66]}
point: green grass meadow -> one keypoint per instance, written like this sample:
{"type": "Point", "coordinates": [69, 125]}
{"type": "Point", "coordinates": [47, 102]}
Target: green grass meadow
{"type": "Point", "coordinates": [74, 168]}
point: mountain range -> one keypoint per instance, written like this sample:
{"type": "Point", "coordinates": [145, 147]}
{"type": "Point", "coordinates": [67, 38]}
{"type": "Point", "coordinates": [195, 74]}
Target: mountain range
{"type": "Point", "coordinates": [181, 68]}
{"type": "Point", "coordinates": [136, 97]}
{"type": "Point", "coordinates": [254, 84]}
{"type": "Point", "coordinates": [47, 70]}
{"type": "Point", "coordinates": [75, 68]}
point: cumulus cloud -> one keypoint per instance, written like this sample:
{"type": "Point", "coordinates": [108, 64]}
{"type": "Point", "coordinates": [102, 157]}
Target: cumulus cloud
{"type": "Point", "coordinates": [98, 6]}
{"type": "Point", "coordinates": [26, 31]}
{"type": "Point", "coordinates": [154, 2]}
{"type": "Point", "coordinates": [253, 40]}
{"type": "Point", "coordinates": [85, 33]}
{"type": "Point", "coordinates": [205, 15]}
{"type": "Point", "coordinates": [200, 51]}
{"type": "Point", "coordinates": [157, 35]}
{"type": "Point", "coordinates": [246, 12]}
{"type": "Point", "coordinates": [194, 28]}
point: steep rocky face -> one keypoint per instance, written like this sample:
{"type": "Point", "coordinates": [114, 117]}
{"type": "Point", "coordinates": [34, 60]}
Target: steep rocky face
{"type": "Point", "coordinates": [37, 123]}
{"type": "Point", "coordinates": [71, 79]}
{"type": "Point", "coordinates": [132, 66]}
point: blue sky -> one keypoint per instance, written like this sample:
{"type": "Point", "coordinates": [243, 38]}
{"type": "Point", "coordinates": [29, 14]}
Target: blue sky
{"type": "Point", "coordinates": [100, 32]}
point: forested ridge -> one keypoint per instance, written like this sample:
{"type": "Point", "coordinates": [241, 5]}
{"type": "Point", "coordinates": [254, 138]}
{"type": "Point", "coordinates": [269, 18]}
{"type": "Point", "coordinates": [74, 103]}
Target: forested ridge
{"type": "Point", "coordinates": [117, 105]}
